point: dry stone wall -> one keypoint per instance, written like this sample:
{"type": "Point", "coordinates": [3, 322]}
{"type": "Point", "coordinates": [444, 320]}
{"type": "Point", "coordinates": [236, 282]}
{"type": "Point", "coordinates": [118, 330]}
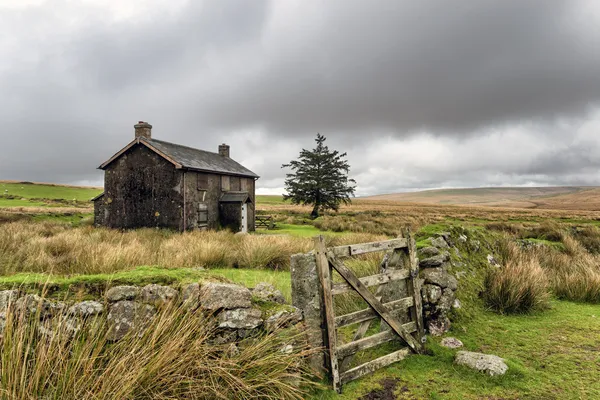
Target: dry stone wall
{"type": "Point", "coordinates": [240, 312]}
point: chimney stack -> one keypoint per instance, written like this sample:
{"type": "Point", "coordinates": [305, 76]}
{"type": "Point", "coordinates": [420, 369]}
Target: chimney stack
{"type": "Point", "coordinates": [143, 130]}
{"type": "Point", "coordinates": [224, 150]}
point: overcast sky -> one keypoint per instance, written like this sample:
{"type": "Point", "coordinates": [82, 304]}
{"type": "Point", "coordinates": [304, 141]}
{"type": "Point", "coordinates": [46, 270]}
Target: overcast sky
{"type": "Point", "coordinates": [420, 94]}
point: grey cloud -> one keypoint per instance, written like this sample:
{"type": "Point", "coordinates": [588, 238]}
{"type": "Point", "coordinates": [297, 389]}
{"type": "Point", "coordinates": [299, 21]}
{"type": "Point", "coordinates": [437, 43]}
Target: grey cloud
{"type": "Point", "coordinates": [269, 79]}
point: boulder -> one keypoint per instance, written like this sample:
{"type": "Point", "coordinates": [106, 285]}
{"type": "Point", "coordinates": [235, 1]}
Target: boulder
{"type": "Point", "coordinates": [488, 363]}
{"type": "Point", "coordinates": [446, 301]}
{"type": "Point", "coordinates": [120, 293]}
{"type": "Point", "coordinates": [437, 276]}
{"type": "Point", "coordinates": [462, 238]}
{"type": "Point", "coordinates": [190, 295]}
{"type": "Point", "coordinates": [435, 261]}
{"type": "Point", "coordinates": [283, 318]}
{"type": "Point", "coordinates": [7, 297]}
{"type": "Point", "coordinates": [457, 304]}
{"type": "Point", "coordinates": [431, 293]}
{"type": "Point", "coordinates": [438, 326]}
{"type": "Point", "coordinates": [267, 292]}
{"type": "Point", "coordinates": [126, 315]}
{"type": "Point", "coordinates": [439, 242]}
{"type": "Point", "coordinates": [430, 251]}
{"type": "Point", "coordinates": [32, 304]}
{"type": "Point", "coordinates": [86, 309]}
{"type": "Point", "coordinates": [214, 296]}
{"type": "Point", "coordinates": [224, 336]}
{"type": "Point", "coordinates": [240, 318]}
{"type": "Point", "coordinates": [451, 343]}
{"type": "Point", "coordinates": [158, 295]}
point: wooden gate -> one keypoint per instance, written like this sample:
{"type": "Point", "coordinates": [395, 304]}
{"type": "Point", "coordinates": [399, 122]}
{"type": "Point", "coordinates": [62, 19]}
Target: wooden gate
{"type": "Point", "coordinates": [401, 253]}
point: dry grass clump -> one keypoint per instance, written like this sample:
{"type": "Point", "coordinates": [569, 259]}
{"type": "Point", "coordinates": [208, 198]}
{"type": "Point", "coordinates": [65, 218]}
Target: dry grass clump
{"type": "Point", "coordinates": [520, 286]}
{"type": "Point", "coordinates": [172, 359]}
{"type": "Point", "coordinates": [574, 273]}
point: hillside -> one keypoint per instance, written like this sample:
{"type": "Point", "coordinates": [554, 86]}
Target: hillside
{"type": "Point", "coordinates": [567, 198]}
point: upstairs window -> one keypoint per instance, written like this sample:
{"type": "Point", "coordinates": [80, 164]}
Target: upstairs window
{"type": "Point", "coordinates": [202, 182]}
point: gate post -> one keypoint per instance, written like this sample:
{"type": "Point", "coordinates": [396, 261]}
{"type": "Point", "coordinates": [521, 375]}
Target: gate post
{"type": "Point", "coordinates": [307, 296]}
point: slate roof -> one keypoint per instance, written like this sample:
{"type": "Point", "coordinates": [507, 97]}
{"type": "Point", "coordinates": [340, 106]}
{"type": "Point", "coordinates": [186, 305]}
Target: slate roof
{"type": "Point", "coordinates": [235, 197]}
{"type": "Point", "coordinates": [190, 158]}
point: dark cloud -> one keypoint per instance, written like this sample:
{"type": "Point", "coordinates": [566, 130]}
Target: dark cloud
{"type": "Point", "coordinates": [420, 94]}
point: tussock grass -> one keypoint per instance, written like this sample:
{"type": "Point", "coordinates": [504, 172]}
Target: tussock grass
{"type": "Point", "coordinates": [172, 359]}
{"type": "Point", "coordinates": [59, 249]}
{"type": "Point", "coordinates": [520, 286]}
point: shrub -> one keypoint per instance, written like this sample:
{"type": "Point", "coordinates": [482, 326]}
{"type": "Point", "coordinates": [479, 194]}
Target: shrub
{"type": "Point", "coordinates": [520, 286]}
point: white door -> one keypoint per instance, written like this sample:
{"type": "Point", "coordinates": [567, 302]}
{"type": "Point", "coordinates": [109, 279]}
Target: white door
{"type": "Point", "coordinates": [245, 218]}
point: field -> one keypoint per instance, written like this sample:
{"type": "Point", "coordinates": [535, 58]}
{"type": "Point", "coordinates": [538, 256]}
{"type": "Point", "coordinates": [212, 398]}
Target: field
{"type": "Point", "coordinates": [553, 352]}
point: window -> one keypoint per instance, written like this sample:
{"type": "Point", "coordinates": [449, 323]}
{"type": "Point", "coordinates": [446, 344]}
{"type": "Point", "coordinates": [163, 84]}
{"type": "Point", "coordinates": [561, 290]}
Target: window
{"type": "Point", "coordinates": [202, 182]}
{"type": "Point", "coordinates": [202, 214]}
{"type": "Point", "coordinates": [225, 183]}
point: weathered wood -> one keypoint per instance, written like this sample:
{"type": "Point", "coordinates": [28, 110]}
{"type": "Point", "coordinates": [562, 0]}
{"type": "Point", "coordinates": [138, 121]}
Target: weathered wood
{"type": "Point", "coordinates": [325, 279]}
{"type": "Point", "coordinates": [372, 280]}
{"type": "Point", "coordinates": [374, 365]}
{"type": "Point", "coordinates": [363, 248]}
{"type": "Point", "coordinates": [368, 314]}
{"type": "Point", "coordinates": [374, 303]}
{"type": "Point", "coordinates": [414, 286]}
{"type": "Point", "coordinates": [347, 349]}
{"type": "Point", "coordinates": [266, 221]}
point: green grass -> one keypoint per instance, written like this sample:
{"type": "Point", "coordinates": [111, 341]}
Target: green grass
{"type": "Point", "coordinates": [41, 191]}
{"type": "Point", "coordinates": [296, 230]}
{"type": "Point", "coordinates": [20, 203]}
{"type": "Point", "coordinates": [60, 285]}
{"type": "Point", "coordinates": [551, 355]}
{"type": "Point", "coordinates": [270, 199]}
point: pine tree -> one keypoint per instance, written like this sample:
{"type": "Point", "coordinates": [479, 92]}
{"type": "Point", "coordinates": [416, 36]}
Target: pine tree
{"type": "Point", "coordinates": [319, 178]}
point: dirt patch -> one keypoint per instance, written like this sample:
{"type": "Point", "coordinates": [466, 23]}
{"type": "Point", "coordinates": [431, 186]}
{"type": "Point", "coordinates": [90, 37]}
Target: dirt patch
{"type": "Point", "coordinates": [386, 392]}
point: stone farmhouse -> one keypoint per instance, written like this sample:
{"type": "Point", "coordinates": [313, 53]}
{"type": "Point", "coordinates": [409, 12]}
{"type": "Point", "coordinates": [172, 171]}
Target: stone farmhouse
{"type": "Point", "coordinates": [153, 183]}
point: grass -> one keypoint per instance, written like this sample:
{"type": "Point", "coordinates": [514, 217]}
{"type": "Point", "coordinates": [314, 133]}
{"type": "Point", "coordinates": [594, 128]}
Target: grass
{"type": "Point", "coordinates": [48, 191]}
{"type": "Point", "coordinates": [551, 355]}
{"type": "Point", "coordinates": [173, 358]}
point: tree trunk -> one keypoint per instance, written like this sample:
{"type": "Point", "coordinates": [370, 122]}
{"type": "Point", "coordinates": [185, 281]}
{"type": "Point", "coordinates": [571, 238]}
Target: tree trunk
{"type": "Point", "coordinates": [315, 212]}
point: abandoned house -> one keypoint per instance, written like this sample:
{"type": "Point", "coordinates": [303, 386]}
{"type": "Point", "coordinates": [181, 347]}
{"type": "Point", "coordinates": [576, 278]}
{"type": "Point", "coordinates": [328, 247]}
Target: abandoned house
{"type": "Point", "coordinates": [152, 183]}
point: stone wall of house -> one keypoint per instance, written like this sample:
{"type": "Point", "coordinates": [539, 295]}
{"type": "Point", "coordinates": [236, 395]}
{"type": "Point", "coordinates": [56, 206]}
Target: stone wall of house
{"type": "Point", "coordinates": [240, 312]}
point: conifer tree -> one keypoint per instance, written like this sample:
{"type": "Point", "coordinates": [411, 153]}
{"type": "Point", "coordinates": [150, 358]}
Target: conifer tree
{"type": "Point", "coordinates": [319, 178]}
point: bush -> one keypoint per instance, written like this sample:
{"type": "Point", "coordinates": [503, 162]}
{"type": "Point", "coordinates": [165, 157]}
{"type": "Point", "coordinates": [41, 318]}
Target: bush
{"type": "Point", "coordinates": [520, 286]}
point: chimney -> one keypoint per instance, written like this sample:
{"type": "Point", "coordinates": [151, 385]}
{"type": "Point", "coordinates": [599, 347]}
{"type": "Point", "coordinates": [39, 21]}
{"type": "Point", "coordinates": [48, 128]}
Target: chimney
{"type": "Point", "coordinates": [143, 130]}
{"type": "Point", "coordinates": [224, 150]}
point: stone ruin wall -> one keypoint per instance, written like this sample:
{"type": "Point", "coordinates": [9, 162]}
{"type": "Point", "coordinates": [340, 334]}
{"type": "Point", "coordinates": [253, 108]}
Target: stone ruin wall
{"type": "Point", "coordinates": [236, 309]}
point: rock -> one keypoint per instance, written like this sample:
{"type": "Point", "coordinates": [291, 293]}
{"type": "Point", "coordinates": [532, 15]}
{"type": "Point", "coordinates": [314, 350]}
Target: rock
{"type": "Point", "coordinates": [451, 343]}
{"type": "Point", "coordinates": [457, 305]}
{"type": "Point", "coordinates": [446, 301]}
{"type": "Point", "coordinates": [437, 276]}
{"type": "Point", "coordinates": [158, 295]}
{"type": "Point", "coordinates": [462, 238]}
{"type": "Point", "coordinates": [32, 304]}
{"type": "Point", "coordinates": [240, 318]}
{"type": "Point", "coordinates": [287, 349]}
{"type": "Point", "coordinates": [86, 309]}
{"type": "Point", "coordinates": [126, 315]}
{"type": "Point", "coordinates": [120, 293]}
{"type": "Point", "coordinates": [267, 292]}
{"type": "Point", "coordinates": [232, 350]}
{"type": "Point", "coordinates": [214, 296]}
{"type": "Point", "coordinates": [431, 293]}
{"type": "Point", "coordinates": [190, 295]}
{"type": "Point", "coordinates": [283, 318]}
{"type": "Point", "coordinates": [491, 260]}
{"type": "Point", "coordinates": [435, 261]}
{"type": "Point", "coordinates": [488, 363]}
{"type": "Point", "coordinates": [430, 251]}
{"type": "Point", "coordinates": [438, 326]}
{"type": "Point", "coordinates": [65, 327]}
{"type": "Point", "coordinates": [224, 336]}
{"type": "Point", "coordinates": [439, 242]}
{"type": "Point", "coordinates": [8, 297]}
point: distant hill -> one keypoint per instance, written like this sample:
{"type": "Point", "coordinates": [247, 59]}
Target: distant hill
{"type": "Point", "coordinates": [567, 197]}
